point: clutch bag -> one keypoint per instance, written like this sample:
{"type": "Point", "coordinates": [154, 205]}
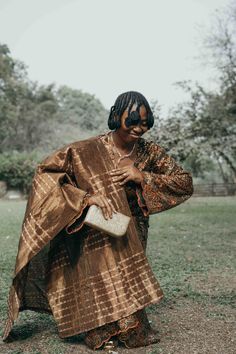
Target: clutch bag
{"type": "Point", "coordinates": [117, 226]}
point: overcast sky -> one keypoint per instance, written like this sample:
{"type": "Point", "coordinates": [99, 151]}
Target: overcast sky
{"type": "Point", "coordinates": [106, 47]}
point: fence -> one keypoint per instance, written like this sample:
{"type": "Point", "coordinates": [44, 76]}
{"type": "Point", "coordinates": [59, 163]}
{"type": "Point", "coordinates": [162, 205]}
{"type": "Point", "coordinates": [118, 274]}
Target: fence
{"type": "Point", "coordinates": [215, 189]}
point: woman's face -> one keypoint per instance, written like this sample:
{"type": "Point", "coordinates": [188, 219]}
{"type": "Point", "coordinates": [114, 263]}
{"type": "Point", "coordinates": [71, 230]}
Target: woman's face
{"type": "Point", "coordinates": [133, 132]}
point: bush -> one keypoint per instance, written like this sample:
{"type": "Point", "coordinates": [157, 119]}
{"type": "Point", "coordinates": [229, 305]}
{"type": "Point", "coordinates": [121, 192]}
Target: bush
{"type": "Point", "coordinates": [17, 169]}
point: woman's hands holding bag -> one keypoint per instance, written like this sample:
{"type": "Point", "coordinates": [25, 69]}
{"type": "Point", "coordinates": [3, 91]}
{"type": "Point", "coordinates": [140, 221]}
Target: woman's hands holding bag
{"type": "Point", "coordinates": [121, 176]}
{"type": "Point", "coordinates": [104, 203]}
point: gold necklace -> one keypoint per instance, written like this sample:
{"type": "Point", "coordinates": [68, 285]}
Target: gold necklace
{"type": "Point", "coordinates": [121, 156]}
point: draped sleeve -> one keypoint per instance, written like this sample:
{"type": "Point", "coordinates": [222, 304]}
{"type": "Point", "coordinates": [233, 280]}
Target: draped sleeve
{"type": "Point", "coordinates": [165, 183]}
{"type": "Point", "coordinates": [55, 202]}
{"type": "Point", "coordinates": [60, 196]}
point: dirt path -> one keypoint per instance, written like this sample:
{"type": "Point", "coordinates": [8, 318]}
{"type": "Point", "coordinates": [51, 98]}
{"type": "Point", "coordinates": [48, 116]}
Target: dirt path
{"type": "Point", "coordinates": [185, 327]}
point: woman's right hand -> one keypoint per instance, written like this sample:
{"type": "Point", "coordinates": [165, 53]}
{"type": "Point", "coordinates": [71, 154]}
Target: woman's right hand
{"type": "Point", "coordinates": [104, 203]}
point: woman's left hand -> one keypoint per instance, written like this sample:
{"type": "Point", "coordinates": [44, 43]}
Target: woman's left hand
{"type": "Point", "coordinates": [127, 173]}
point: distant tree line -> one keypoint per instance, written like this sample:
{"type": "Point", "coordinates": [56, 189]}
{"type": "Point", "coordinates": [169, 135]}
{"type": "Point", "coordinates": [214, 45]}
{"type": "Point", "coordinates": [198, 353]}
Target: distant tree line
{"type": "Point", "coordinates": [41, 117]}
{"type": "Point", "coordinates": [36, 119]}
{"type": "Point", "coordinates": [200, 132]}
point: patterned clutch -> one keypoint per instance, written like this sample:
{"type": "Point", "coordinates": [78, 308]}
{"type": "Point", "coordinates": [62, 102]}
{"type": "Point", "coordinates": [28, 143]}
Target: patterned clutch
{"type": "Point", "coordinates": [117, 226]}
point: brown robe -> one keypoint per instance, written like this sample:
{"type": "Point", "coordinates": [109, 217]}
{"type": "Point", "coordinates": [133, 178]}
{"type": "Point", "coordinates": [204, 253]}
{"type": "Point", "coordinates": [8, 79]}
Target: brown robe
{"type": "Point", "coordinates": [84, 277]}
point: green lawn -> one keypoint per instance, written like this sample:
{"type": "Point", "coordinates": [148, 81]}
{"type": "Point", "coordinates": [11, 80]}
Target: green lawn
{"type": "Point", "coordinates": [192, 252]}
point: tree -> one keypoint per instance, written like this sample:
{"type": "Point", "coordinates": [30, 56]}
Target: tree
{"type": "Point", "coordinates": [25, 107]}
{"type": "Point", "coordinates": [203, 128]}
{"type": "Point", "coordinates": [41, 117]}
{"type": "Point", "coordinates": [209, 128]}
{"type": "Point", "coordinates": [81, 109]}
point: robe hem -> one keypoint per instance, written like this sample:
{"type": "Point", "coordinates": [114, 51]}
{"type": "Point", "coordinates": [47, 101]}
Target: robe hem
{"type": "Point", "coordinates": [156, 301]}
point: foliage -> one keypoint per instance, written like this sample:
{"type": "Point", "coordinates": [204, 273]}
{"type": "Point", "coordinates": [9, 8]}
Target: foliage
{"type": "Point", "coordinates": [201, 131]}
{"type": "Point", "coordinates": [80, 109]}
{"type": "Point", "coordinates": [34, 116]}
{"type": "Point", "coordinates": [208, 131]}
{"type": "Point", "coordinates": [17, 169]}
{"type": "Point", "coordinates": [25, 107]}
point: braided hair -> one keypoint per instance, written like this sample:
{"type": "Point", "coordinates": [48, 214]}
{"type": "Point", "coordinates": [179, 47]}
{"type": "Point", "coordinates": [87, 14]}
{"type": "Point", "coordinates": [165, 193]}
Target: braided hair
{"type": "Point", "coordinates": [128, 99]}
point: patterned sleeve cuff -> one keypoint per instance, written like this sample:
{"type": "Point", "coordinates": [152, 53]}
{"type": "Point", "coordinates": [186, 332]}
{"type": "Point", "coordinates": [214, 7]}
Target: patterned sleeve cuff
{"type": "Point", "coordinates": [141, 192]}
{"type": "Point", "coordinates": [162, 192]}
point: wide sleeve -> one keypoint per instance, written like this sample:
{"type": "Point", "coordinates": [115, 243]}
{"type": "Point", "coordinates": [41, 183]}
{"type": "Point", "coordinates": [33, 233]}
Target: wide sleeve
{"type": "Point", "coordinates": [165, 183]}
{"type": "Point", "coordinates": [54, 203]}
{"type": "Point", "coordinates": [55, 193]}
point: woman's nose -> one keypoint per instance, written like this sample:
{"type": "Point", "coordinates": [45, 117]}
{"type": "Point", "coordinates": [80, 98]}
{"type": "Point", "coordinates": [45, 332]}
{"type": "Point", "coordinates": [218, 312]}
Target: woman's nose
{"type": "Point", "coordinates": [137, 129]}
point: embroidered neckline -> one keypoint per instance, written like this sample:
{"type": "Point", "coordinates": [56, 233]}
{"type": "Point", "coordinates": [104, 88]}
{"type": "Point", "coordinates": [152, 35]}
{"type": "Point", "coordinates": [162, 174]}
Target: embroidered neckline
{"type": "Point", "coordinates": [104, 137]}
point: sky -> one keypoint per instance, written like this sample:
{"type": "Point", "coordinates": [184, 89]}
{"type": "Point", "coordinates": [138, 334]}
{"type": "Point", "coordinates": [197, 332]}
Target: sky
{"type": "Point", "coordinates": [107, 47]}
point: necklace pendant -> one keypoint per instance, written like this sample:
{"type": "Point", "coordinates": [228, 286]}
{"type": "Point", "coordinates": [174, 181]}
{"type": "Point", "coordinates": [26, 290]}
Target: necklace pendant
{"type": "Point", "coordinates": [114, 151]}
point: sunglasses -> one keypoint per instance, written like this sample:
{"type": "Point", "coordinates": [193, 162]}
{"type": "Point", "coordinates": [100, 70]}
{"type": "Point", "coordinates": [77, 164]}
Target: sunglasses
{"type": "Point", "coordinates": [133, 119]}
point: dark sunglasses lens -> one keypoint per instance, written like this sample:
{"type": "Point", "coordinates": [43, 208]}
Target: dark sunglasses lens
{"type": "Point", "coordinates": [132, 119]}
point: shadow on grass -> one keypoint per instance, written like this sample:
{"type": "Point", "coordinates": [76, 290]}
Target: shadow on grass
{"type": "Point", "coordinates": [24, 331]}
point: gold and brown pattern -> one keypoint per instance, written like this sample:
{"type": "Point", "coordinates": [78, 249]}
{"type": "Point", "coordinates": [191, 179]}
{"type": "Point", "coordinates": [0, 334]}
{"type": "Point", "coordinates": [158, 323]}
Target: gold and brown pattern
{"type": "Point", "coordinates": [85, 278]}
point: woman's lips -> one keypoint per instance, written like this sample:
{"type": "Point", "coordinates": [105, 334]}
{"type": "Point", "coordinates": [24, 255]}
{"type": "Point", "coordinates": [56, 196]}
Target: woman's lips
{"type": "Point", "coordinates": [135, 135]}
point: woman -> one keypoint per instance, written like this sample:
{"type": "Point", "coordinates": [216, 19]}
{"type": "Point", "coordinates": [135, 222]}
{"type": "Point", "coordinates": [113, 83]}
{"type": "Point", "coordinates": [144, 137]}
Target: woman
{"type": "Point", "coordinates": [93, 283]}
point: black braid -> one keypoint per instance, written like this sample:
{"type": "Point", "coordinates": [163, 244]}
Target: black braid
{"type": "Point", "coordinates": [127, 100]}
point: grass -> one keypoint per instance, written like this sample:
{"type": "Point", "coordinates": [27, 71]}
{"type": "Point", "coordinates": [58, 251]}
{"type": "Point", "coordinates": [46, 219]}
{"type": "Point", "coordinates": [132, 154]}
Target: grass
{"type": "Point", "coordinates": [195, 239]}
{"type": "Point", "coordinates": [191, 249]}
